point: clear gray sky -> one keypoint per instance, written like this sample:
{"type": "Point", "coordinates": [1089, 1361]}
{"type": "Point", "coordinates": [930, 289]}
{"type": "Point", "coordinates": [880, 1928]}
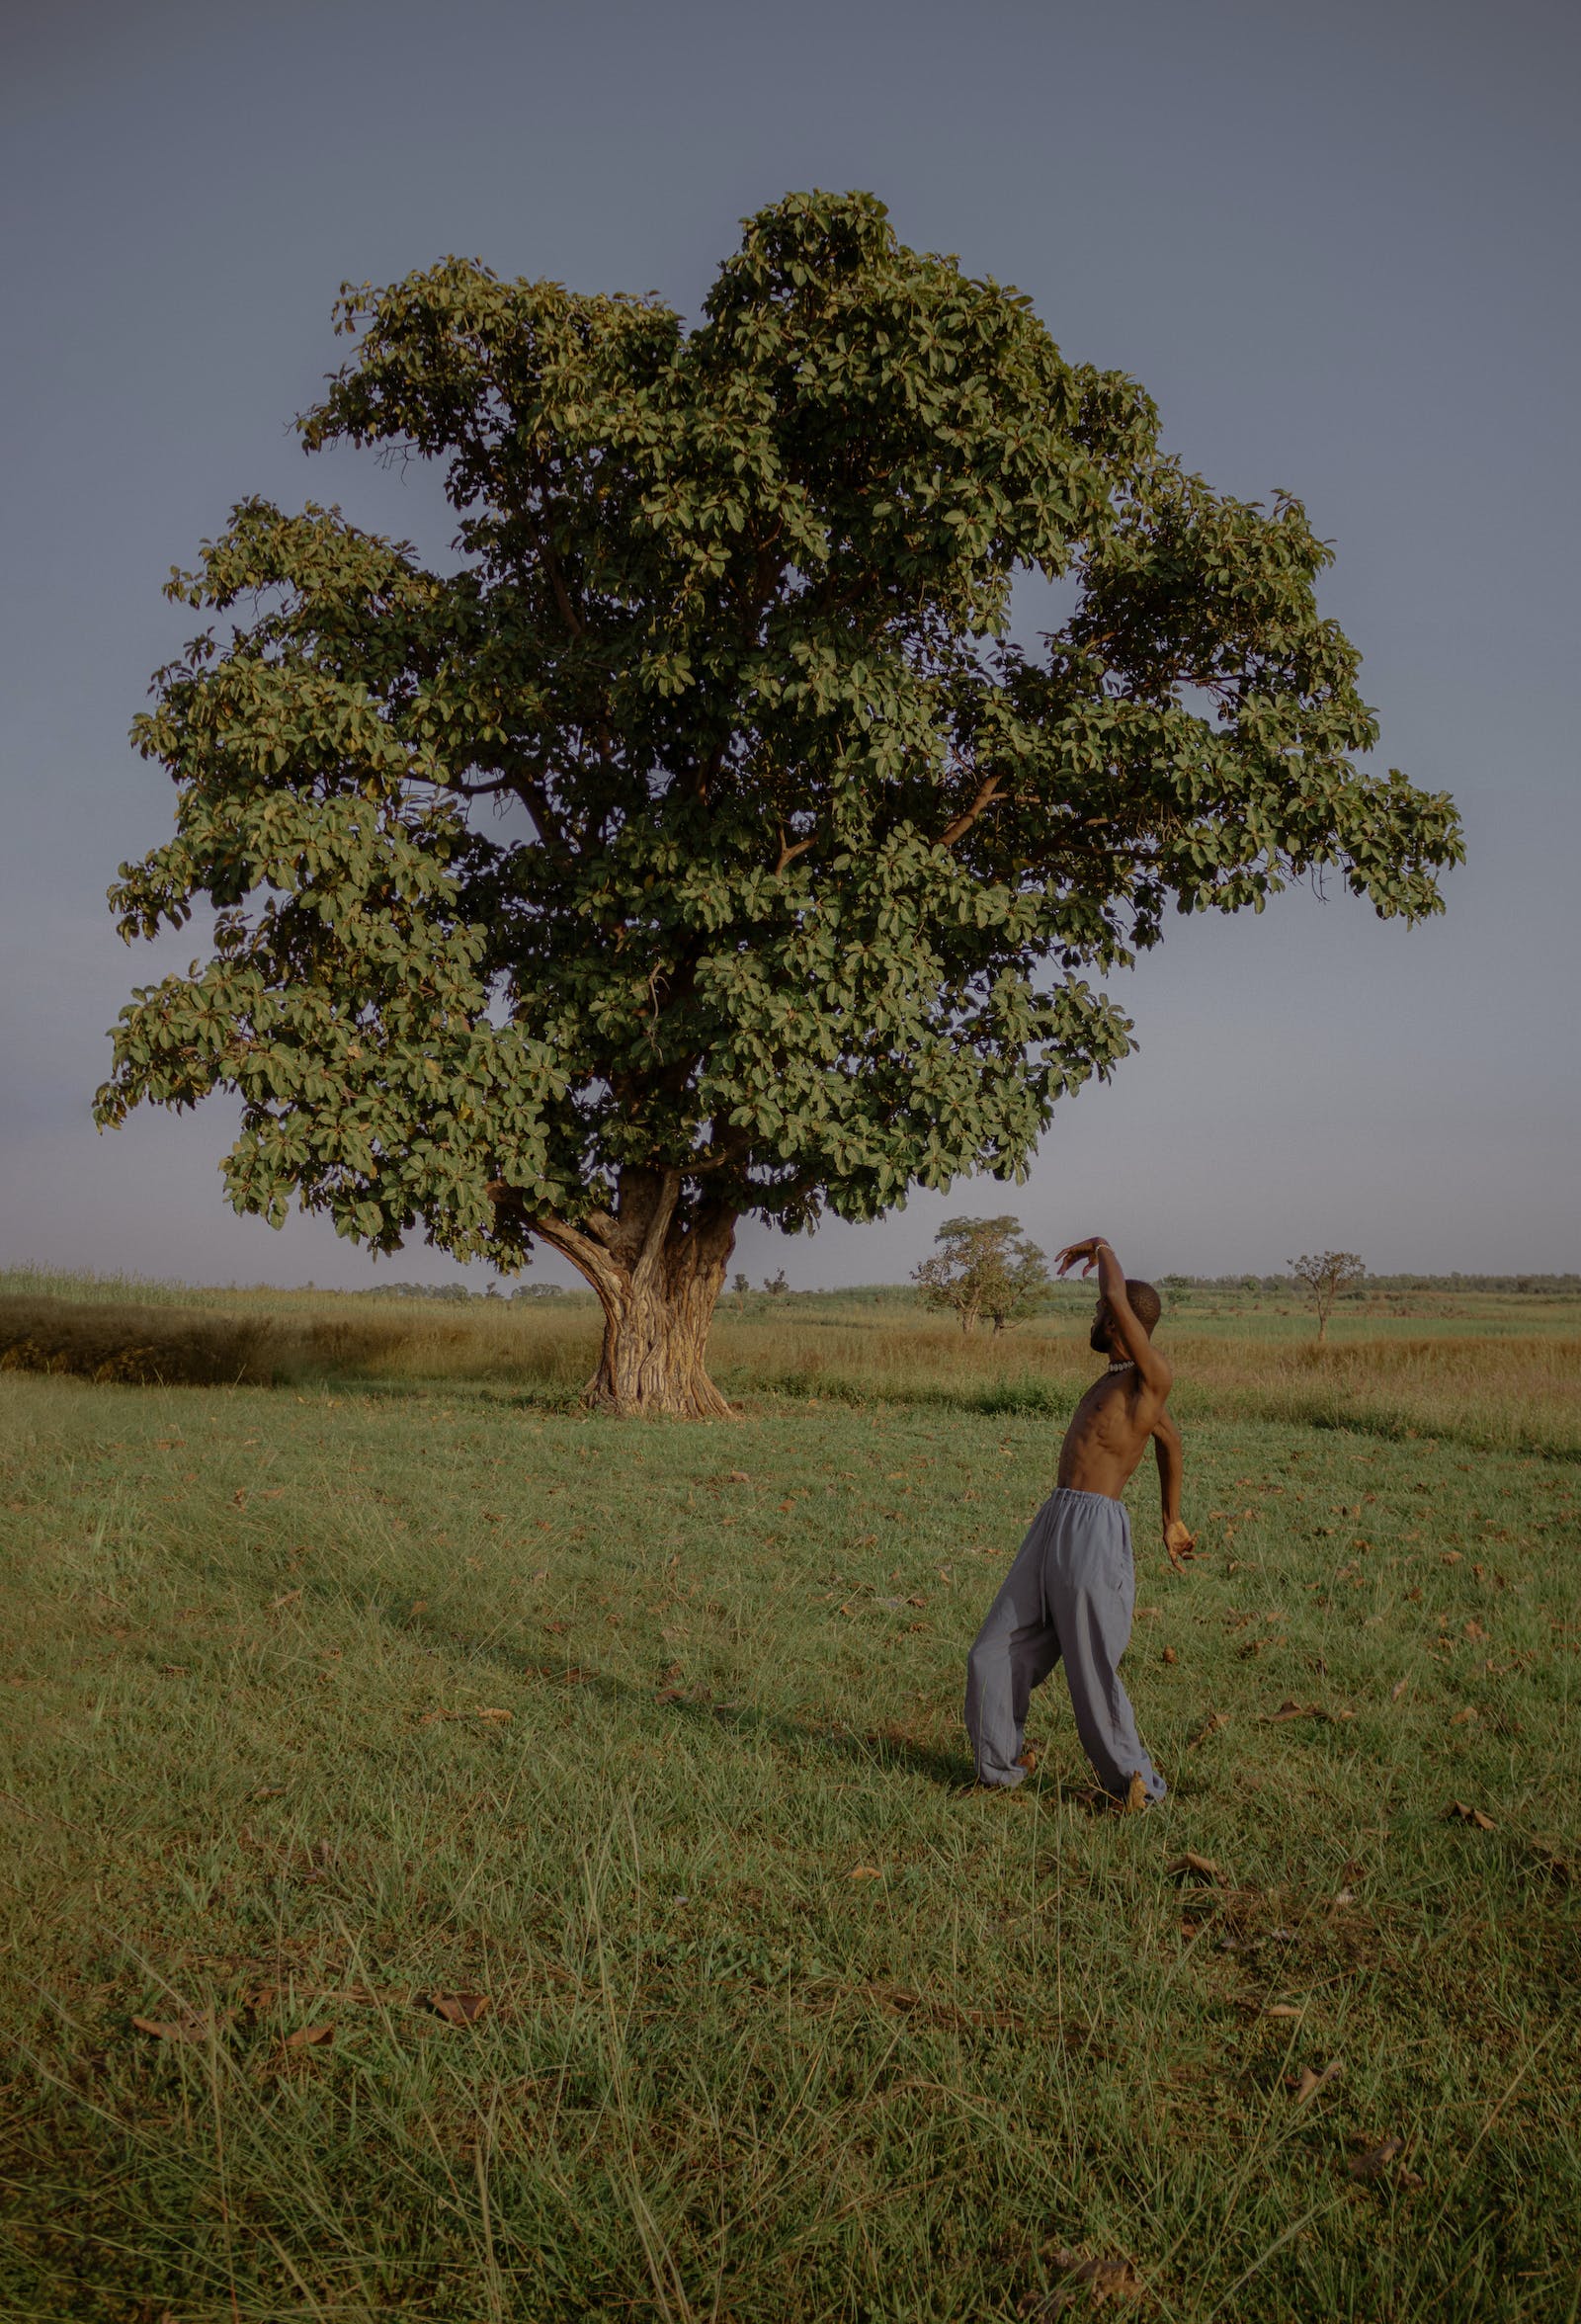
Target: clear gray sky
{"type": "Point", "coordinates": [1337, 243]}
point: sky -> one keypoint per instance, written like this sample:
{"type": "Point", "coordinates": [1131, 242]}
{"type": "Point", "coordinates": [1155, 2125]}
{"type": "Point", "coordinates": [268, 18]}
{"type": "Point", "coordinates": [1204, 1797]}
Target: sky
{"type": "Point", "coordinates": [1337, 245]}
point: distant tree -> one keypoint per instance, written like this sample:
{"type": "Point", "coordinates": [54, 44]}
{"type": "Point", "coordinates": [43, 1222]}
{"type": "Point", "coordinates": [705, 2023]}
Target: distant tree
{"type": "Point", "coordinates": [696, 842]}
{"type": "Point", "coordinates": [741, 1284]}
{"type": "Point", "coordinates": [1178, 1288]}
{"type": "Point", "coordinates": [776, 1285]}
{"type": "Point", "coordinates": [1324, 1276]}
{"type": "Point", "coordinates": [986, 1267]}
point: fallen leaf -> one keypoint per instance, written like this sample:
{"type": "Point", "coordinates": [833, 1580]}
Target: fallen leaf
{"type": "Point", "coordinates": [187, 2029]}
{"type": "Point", "coordinates": [456, 2009]}
{"type": "Point", "coordinates": [174, 1670]}
{"type": "Point", "coordinates": [1466, 1717]}
{"type": "Point", "coordinates": [501, 1718]}
{"type": "Point", "coordinates": [1398, 1689]}
{"type": "Point", "coordinates": [864, 1873]}
{"type": "Point", "coordinates": [1309, 2083]}
{"type": "Point", "coordinates": [1458, 1812]}
{"type": "Point", "coordinates": [1202, 1866]}
{"type": "Point", "coordinates": [1473, 1629]}
{"type": "Point", "coordinates": [1284, 2008]}
{"type": "Point", "coordinates": [1451, 1557]}
{"type": "Point", "coordinates": [1376, 2160]}
{"type": "Point", "coordinates": [1150, 1612]}
{"type": "Point", "coordinates": [270, 1791]}
{"type": "Point", "coordinates": [739, 1476]}
{"type": "Point", "coordinates": [1169, 1654]}
{"type": "Point", "coordinates": [1544, 1859]}
{"type": "Point", "coordinates": [1214, 1720]}
{"type": "Point", "coordinates": [1345, 1896]}
{"type": "Point", "coordinates": [1104, 2279]}
{"type": "Point", "coordinates": [1136, 1795]}
{"type": "Point", "coordinates": [171, 2029]}
{"type": "Point", "coordinates": [916, 1599]}
{"type": "Point", "coordinates": [285, 1598]}
{"type": "Point", "coordinates": [309, 2037]}
{"type": "Point", "coordinates": [785, 1507]}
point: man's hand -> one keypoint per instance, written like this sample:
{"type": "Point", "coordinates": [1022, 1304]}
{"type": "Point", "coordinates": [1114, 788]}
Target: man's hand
{"type": "Point", "coordinates": [1181, 1545]}
{"type": "Point", "coordinates": [1086, 1250]}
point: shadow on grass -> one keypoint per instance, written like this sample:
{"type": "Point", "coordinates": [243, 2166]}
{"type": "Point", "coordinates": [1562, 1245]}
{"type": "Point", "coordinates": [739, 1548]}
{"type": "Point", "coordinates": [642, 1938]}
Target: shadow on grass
{"type": "Point", "coordinates": [879, 1750]}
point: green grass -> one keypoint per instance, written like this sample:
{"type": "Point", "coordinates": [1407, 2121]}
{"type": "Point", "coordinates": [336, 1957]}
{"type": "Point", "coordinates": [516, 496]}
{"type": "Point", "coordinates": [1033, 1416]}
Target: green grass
{"type": "Point", "coordinates": [782, 2023]}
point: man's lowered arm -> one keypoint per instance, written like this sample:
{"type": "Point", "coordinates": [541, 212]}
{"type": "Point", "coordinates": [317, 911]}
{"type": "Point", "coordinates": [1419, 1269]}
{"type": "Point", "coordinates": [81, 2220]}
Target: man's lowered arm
{"type": "Point", "coordinates": [1171, 1475]}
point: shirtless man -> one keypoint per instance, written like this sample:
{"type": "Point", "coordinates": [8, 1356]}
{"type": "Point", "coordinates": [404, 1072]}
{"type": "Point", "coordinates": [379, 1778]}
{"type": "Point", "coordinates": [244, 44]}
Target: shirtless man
{"type": "Point", "coordinates": [1071, 1590]}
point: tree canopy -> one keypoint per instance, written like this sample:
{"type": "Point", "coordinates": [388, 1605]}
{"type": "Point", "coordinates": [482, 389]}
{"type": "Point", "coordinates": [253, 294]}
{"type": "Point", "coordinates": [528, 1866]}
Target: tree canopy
{"type": "Point", "coordinates": [698, 841]}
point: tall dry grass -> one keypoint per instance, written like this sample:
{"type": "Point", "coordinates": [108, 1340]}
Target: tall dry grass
{"type": "Point", "coordinates": [1507, 1388]}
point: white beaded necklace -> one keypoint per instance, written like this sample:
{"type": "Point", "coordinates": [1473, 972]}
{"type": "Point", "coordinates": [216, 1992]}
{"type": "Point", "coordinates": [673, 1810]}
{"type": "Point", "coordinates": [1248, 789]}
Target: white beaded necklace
{"type": "Point", "coordinates": [1129, 1364]}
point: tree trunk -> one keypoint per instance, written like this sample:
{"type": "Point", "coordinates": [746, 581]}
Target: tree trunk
{"type": "Point", "coordinates": [653, 1360]}
{"type": "Point", "coordinates": [657, 1281]}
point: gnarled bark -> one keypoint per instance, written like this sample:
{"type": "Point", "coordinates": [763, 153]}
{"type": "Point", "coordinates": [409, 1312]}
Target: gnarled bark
{"type": "Point", "coordinates": [657, 1281]}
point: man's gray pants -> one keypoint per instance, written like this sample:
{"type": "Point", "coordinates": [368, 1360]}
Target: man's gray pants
{"type": "Point", "coordinates": [1069, 1597]}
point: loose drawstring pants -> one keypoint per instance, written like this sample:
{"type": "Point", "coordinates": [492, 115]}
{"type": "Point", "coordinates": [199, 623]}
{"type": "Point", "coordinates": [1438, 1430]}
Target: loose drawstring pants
{"type": "Point", "coordinates": [1069, 1597]}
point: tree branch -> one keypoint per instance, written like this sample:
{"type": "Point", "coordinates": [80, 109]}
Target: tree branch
{"type": "Point", "coordinates": [594, 1264]}
{"type": "Point", "coordinates": [987, 792]}
{"type": "Point", "coordinates": [658, 1226]}
{"type": "Point", "coordinates": [562, 596]}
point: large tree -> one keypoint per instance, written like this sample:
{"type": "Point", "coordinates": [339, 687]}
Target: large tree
{"type": "Point", "coordinates": [697, 843]}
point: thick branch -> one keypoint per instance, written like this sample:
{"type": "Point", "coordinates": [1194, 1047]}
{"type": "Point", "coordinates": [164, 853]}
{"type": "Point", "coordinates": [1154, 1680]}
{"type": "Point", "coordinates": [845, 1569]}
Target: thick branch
{"type": "Point", "coordinates": [658, 1226]}
{"type": "Point", "coordinates": [987, 792]}
{"type": "Point", "coordinates": [602, 1272]}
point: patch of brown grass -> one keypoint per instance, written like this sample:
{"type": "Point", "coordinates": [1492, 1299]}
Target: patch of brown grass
{"type": "Point", "coordinates": [1501, 1388]}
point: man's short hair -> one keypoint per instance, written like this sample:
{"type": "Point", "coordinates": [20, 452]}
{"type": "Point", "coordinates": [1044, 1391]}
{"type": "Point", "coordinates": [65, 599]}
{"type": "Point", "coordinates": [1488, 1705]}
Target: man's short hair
{"type": "Point", "coordinates": [1145, 1304]}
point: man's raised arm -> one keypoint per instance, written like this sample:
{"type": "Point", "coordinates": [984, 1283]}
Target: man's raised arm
{"type": "Point", "coordinates": [1132, 1335]}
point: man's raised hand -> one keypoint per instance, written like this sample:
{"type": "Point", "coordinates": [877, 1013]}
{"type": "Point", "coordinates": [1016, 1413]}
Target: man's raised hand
{"type": "Point", "coordinates": [1086, 1250]}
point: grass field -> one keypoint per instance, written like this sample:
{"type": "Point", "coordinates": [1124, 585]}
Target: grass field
{"type": "Point", "coordinates": [638, 1748]}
